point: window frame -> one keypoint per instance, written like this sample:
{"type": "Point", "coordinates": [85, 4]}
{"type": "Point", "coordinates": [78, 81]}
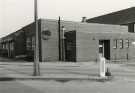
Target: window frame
{"type": "Point", "coordinates": [121, 44]}
{"type": "Point", "coordinates": [127, 43]}
{"type": "Point", "coordinates": [115, 45]}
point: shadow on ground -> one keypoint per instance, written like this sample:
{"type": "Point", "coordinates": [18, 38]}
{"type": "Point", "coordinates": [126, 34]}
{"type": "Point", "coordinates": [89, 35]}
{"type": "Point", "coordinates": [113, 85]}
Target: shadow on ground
{"type": "Point", "coordinates": [6, 79]}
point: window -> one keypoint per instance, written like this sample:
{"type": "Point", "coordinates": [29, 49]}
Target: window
{"type": "Point", "coordinates": [127, 43]}
{"type": "Point", "coordinates": [11, 45]}
{"type": "Point", "coordinates": [121, 43]}
{"type": "Point", "coordinates": [28, 43]}
{"type": "Point", "coordinates": [115, 44]}
{"type": "Point", "coordinates": [33, 42]}
{"type": "Point", "coordinates": [2, 45]}
{"type": "Point", "coordinates": [7, 46]}
{"type": "Point", "coordinates": [131, 27]}
{"type": "Point", "coordinates": [100, 46]}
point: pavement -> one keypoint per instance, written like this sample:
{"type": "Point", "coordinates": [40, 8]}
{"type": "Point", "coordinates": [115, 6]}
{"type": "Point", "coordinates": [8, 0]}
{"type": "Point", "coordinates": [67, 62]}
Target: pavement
{"type": "Point", "coordinates": [66, 77]}
{"type": "Point", "coordinates": [62, 71]}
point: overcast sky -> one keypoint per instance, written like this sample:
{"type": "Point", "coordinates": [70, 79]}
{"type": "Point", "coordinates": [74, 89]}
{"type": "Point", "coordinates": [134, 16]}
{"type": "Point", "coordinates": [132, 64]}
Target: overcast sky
{"type": "Point", "coordinates": [18, 13]}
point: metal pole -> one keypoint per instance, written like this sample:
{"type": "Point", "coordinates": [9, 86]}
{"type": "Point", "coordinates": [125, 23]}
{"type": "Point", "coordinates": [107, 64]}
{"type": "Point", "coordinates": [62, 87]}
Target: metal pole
{"type": "Point", "coordinates": [59, 39]}
{"type": "Point", "coordinates": [36, 50]}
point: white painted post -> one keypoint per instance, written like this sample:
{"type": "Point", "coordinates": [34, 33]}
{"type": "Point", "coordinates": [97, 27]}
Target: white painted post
{"type": "Point", "coordinates": [102, 66]}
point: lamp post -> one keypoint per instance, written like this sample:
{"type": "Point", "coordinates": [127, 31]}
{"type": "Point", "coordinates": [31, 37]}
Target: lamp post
{"type": "Point", "coordinates": [36, 71]}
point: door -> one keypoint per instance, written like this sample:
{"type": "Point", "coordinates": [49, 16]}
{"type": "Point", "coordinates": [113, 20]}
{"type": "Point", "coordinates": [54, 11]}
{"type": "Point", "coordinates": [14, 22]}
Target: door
{"type": "Point", "coordinates": [70, 46]}
{"type": "Point", "coordinates": [104, 48]}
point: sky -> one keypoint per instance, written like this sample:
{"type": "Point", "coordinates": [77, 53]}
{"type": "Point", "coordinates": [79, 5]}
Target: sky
{"type": "Point", "coordinates": [15, 14]}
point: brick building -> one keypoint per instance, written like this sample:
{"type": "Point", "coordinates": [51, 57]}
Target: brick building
{"type": "Point", "coordinates": [72, 41]}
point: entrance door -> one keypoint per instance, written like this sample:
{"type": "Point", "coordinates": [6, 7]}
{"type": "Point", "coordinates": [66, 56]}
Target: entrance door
{"type": "Point", "coordinates": [70, 46]}
{"type": "Point", "coordinates": [104, 48]}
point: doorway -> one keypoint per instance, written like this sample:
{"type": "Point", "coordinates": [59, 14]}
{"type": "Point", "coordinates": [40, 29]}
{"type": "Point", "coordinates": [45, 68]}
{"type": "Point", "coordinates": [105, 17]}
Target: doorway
{"type": "Point", "coordinates": [104, 48]}
{"type": "Point", "coordinates": [70, 46]}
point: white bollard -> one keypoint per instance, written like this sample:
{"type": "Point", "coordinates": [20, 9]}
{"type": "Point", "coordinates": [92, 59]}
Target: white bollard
{"type": "Point", "coordinates": [102, 66]}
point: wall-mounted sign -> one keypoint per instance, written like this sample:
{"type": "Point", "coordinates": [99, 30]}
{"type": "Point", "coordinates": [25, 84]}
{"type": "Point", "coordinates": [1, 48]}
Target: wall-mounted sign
{"type": "Point", "coordinates": [46, 34]}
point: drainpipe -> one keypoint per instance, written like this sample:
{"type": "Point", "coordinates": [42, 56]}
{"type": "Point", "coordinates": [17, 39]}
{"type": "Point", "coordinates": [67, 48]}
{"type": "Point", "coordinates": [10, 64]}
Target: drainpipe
{"type": "Point", "coordinates": [59, 38]}
{"type": "Point", "coordinates": [63, 43]}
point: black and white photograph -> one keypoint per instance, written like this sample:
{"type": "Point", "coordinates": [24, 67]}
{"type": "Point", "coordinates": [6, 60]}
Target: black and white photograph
{"type": "Point", "coordinates": [67, 46]}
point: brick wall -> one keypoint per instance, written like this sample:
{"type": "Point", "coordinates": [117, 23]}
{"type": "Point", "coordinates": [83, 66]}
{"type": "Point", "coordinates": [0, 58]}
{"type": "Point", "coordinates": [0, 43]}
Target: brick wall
{"type": "Point", "coordinates": [88, 36]}
{"type": "Point", "coordinates": [123, 54]}
{"type": "Point", "coordinates": [86, 46]}
{"type": "Point", "coordinates": [50, 46]}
